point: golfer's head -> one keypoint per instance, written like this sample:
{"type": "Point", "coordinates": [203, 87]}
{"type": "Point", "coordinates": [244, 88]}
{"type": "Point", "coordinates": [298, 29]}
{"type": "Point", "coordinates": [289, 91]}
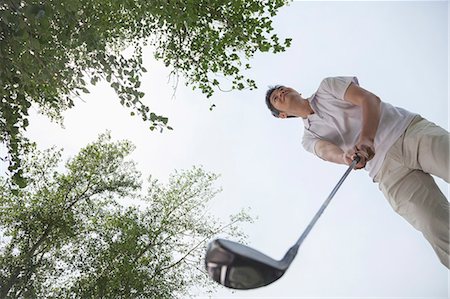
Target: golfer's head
{"type": "Point", "coordinates": [276, 101]}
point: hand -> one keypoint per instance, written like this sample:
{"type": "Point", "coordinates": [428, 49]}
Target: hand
{"type": "Point", "coordinates": [365, 148]}
{"type": "Point", "coordinates": [350, 155]}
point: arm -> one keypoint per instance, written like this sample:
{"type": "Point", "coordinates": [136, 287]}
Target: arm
{"type": "Point", "coordinates": [370, 106]}
{"type": "Point", "coordinates": [332, 153]}
{"type": "Point", "coordinates": [329, 152]}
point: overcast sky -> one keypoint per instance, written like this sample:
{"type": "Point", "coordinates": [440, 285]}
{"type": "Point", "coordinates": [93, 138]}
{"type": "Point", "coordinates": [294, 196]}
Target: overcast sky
{"type": "Point", "coordinates": [360, 247]}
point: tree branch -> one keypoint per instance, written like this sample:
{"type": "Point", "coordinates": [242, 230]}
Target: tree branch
{"type": "Point", "coordinates": [196, 246]}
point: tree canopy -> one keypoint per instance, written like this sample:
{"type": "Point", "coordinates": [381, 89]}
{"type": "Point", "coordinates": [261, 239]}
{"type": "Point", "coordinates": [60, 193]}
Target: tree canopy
{"type": "Point", "coordinates": [52, 51]}
{"type": "Point", "coordinates": [88, 230]}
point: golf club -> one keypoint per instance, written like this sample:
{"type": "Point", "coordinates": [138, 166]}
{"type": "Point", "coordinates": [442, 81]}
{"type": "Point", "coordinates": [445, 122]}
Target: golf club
{"type": "Point", "coordinates": [238, 266]}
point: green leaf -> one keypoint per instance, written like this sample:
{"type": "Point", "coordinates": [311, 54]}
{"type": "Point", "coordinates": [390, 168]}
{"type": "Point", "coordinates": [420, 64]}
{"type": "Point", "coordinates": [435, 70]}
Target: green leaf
{"type": "Point", "coordinates": [19, 180]}
{"type": "Point", "coordinates": [50, 46]}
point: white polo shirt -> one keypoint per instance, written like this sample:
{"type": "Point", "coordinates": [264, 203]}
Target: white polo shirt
{"type": "Point", "coordinates": [339, 121]}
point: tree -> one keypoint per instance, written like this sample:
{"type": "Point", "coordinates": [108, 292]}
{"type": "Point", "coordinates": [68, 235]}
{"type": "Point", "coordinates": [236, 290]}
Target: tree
{"type": "Point", "coordinates": [67, 235]}
{"type": "Point", "coordinates": [50, 51]}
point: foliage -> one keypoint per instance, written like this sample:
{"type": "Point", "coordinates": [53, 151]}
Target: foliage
{"type": "Point", "coordinates": [65, 235]}
{"type": "Point", "coordinates": [50, 51]}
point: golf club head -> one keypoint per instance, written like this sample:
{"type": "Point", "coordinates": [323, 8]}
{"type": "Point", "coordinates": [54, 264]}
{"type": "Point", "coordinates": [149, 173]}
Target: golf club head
{"type": "Point", "coordinates": [240, 267]}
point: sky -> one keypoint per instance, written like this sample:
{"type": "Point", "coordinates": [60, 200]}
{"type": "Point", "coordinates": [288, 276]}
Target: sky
{"type": "Point", "coordinates": [360, 247]}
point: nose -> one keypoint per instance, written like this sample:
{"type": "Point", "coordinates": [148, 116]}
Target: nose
{"type": "Point", "coordinates": [283, 93]}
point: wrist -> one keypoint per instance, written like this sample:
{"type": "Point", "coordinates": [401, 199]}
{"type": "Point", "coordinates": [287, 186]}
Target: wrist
{"type": "Point", "coordinates": [345, 159]}
{"type": "Point", "coordinates": [366, 139]}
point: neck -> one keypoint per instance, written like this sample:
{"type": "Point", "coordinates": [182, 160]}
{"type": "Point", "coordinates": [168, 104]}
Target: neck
{"type": "Point", "coordinates": [304, 109]}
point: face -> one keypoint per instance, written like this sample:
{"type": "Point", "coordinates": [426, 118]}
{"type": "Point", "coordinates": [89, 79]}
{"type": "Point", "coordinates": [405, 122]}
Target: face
{"type": "Point", "coordinates": [284, 99]}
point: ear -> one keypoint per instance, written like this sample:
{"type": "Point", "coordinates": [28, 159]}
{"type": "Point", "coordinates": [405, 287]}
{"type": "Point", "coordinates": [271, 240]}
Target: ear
{"type": "Point", "coordinates": [282, 115]}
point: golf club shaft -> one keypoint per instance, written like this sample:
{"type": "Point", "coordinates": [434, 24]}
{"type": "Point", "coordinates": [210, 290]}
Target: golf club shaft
{"type": "Point", "coordinates": [325, 204]}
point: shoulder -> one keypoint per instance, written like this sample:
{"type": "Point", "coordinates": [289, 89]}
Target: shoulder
{"type": "Point", "coordinates": [336, 86]}
{"type": "Point", "coordinates": [338, 80]}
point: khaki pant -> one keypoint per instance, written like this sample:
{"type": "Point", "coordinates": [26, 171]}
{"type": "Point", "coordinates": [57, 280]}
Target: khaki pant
{"type": "Point", "coordinates": [405, 181]}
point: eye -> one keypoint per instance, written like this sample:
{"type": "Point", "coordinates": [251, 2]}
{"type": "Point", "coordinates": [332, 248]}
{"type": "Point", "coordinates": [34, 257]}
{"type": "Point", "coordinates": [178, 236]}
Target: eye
{"type": "Point", "coordinates": [280, 91]}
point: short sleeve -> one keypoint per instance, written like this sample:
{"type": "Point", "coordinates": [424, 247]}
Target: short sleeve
{"type": "Point", "coordinates": [337, 86]}
{"type": "Point", "coordinates": [309, 142]}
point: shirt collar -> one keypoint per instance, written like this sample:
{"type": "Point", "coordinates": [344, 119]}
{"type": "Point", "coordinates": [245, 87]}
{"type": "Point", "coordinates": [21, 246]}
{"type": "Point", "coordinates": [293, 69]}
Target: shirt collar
{"type": "Point", "coordinates": [313, 103]}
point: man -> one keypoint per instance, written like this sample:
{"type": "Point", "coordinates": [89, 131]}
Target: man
{"type": "Point", "coordinates": [399, 149]}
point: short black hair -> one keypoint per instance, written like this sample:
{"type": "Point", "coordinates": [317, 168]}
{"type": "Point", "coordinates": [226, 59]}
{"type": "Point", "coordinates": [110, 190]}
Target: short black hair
{"type": "Point", "coordinates": [269, 92]}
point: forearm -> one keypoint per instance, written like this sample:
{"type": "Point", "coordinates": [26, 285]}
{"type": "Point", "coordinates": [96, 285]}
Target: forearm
{"type": "Point", "coordinates": [370, 111]}
{"type": "Point", "coordinates": [370, 118]}
{"type": "Point", "coordinates": [329, 152]}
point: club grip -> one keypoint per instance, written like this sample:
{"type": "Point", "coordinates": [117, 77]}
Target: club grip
{"type": "Point", "coordinates": [356, 160]}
